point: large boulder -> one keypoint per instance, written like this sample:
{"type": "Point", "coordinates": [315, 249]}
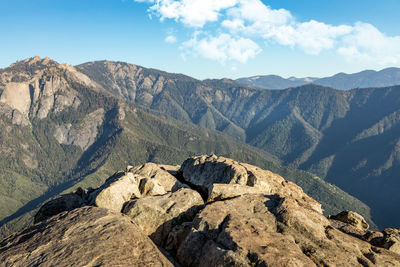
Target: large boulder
{"type": "Point", "coordinates": [66, 202]}
{"type": "Point", "coordinates": [156, 180]}
{"type": "Point", "coordinates": [203, 172]}
{"type": "Point", "coordinates": [117, 190]}
{"type": "Point", "coordinates": [255, 218]}
{"type": "Point", "coordinates": [87, 236]}
{"type": "Point", "coordinates": [351, 218]}
{"type": "Point", "coordinates": [136, 182]}
{"type": "Point", "coordinates": [157, 215]}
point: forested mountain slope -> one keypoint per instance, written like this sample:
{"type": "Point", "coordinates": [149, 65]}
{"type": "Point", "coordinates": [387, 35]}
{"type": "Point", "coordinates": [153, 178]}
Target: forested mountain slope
{"type": "Point", "coordinates": [350, 138]}
{"type": "Point", "coordinates": [60, 130]}
{"type": "Point", "coordinates": [364, 79]}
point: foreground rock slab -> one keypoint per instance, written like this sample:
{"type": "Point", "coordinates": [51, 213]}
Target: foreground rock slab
{"type": "Point", "coordinates": [157, 215]}
{"type": "Point", "coordinates": [87, 236]}
{"type": "Point", "coordinates": [213, 211]}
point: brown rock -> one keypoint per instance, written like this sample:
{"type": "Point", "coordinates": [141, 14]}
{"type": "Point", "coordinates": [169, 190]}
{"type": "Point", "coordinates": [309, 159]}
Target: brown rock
{"type": "Point", "coordinates": [156, 180]}
{"type": "Point", "coordinates": [61, 203]}
{"type": "Point", "coordinates": [348, 229]}
{"type": "Point", "coordinates": [87, 236]}
{"type": "Point", "coordinates": [157, 215]}
{"type": "Point", "coordinates": [352, 218]}
{"type": "Point", "coordinates": [242, 232]}
{"type": "Point", "coordinates": [219, 192]}
{"type": "Point", "coordinates": [391, 239]}
{"type": "Point", "coordinates": [388, 239]}
{"type": "Point", "coordinates": [253, 217]}
{"type": "Point", "coordinates": [204, 171]}
{"type": "Point", "coordinates": [144, 180]}
{"type": "Point", "coordinates": [280, 226]}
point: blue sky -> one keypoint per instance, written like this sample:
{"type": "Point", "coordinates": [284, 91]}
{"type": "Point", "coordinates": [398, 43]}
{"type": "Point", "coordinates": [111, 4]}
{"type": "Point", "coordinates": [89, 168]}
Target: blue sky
{"type": "Point", "coordinates": [207, 38]}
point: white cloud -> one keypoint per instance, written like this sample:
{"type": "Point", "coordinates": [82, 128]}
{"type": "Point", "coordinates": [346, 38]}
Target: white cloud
{"type": "Point", "coordinates": [170, 39]}
{"type": "Point", "coordinates": [367, 44]}
{"type": "Point", "coordinates": [312, 36]}
{"type": "Point", "coordinates": [236, 25]}
{"type": "Point", "coordinates": [193, 13]}
{"type": "Point", "coordinates": [222, 48]}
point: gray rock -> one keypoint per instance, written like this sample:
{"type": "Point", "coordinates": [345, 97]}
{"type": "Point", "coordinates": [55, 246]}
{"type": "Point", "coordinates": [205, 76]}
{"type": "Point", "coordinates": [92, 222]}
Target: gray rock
{"type": "Point", "coordinates": [117, 190]}
{"type": "Point", "coordinates": [83, 134]}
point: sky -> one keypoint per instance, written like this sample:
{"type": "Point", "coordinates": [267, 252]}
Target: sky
{"type": "Point", "coordinates": [207, 38]}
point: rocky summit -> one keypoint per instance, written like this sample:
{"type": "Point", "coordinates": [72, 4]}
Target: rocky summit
{"type": "Point", "coordinates": [210, 211]}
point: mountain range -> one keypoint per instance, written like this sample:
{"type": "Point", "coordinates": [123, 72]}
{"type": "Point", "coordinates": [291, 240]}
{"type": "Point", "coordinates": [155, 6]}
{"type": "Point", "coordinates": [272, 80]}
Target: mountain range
{"type": "Point", "coordinates": [62, 129]}
{"type": "Point", "coordinates": [341, 81]}
{"type": "Point", "coordinates": [348, 138]}
{"type": "Point", "coordinates": [66, 127]}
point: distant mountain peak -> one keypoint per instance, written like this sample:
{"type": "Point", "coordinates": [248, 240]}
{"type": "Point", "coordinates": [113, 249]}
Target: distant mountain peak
{"type": "Point", "coordinates": [36, 60]}
{"type": "Point", "coordinates": [342, 81]}
{"type": "Point", "coordinates": [30, 66]}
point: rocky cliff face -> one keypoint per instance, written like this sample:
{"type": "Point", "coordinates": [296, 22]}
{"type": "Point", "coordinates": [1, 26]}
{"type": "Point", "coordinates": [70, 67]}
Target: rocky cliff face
{"type": "Point", "coordinates": [210, 211]}
{"type": "Point", "coordinates": [34, 87]}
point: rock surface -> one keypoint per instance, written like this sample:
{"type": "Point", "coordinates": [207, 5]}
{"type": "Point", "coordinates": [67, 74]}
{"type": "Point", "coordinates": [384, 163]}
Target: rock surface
{"type": "Point", "coordinates": [156, 180]}
{"type": "Point", "coordinates": [136, 182]}
{"type": "Point", "coordinates": [388, 239]}
{"type": "Point", "coordinates": [87, 236]}
{"type": "Point", "coordinates": [213, 212]}
{"type": "Point", "coordinates": [352, 218]}
{"type": "Point", "coordinates": [157, 215]}
{"type": "Point", "coordinates": [55, 206]}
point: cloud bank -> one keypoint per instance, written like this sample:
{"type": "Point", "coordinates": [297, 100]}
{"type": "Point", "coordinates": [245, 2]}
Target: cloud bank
{"type": "Point", "coordinates": [232, 30]}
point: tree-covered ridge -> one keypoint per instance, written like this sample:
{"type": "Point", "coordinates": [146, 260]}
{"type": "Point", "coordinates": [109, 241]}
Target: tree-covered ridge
{"type": "Point", "coordinates": [44, 158]}
{"type": "Point", "coordinates": [364, 79]}
{"type": "Point", "coordinates": [348, 138]}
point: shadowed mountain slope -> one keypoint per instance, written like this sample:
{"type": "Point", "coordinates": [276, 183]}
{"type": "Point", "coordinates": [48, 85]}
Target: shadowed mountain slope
{"type": "Point", "coordinates": [348, 138]}
{"type": "Point", "coordinates": [62, 129]}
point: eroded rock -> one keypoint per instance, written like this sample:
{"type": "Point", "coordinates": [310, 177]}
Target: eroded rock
{"type": "Point", "coordinates": [204, 171]}
{"type": "Point", "coordinates": [61, 203]}
{"type": "Point", "coordinates": [218, 192]}
{"type": "Point", "coordinates": [155, 180]}
{"type": "Point", "coordinates": [252, 217]}
{"type": "Point", "coordinates": [87, 236]}
{"type": "Point", "coordinates": [388, 239]}
{"type": "Point", "coordinates": [157, 215]}
{"type": "Point", "coordinates": [117, 190]}
{"type": "Point", "coordinates": [240, 231]}
{"type": "Point", "coordinates": [352, 218]}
